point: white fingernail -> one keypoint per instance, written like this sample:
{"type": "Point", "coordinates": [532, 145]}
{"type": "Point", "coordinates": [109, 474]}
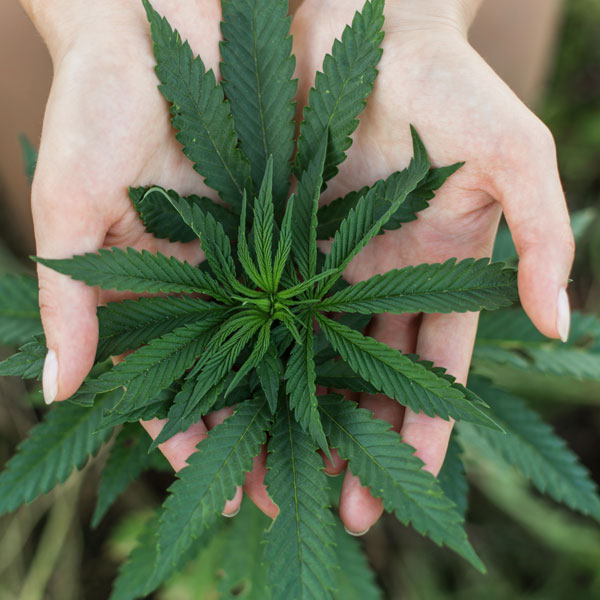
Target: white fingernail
{"type": "Point", "coordinates": [50, 377]}
{"type": "Point", "coordinates": [356, 533]}
{"type": "Point", "coordinates": [233, 514]}
{"type": "Point", "coordinates": [563, 317]}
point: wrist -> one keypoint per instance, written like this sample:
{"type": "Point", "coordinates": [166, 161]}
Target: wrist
{"type": "Point", "coordinates": [418, 15]}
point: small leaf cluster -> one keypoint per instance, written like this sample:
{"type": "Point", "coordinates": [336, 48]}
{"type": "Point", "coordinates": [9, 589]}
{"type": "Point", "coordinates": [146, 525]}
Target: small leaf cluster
{"type": "Point", "coordinates": [267, 318]}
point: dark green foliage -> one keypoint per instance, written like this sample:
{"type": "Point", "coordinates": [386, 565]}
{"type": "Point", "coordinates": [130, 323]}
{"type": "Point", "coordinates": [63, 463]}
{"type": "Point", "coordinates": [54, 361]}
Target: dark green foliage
{"type": "Point", "coordinates": [162, 220]}
{"type": "Point", "coordinates": [252, 328]}
{"type": "Point", "coordinates": [203, 121]}
{"type": "Point", "coordinates": [380, 460]}
{"type": "Point", "coordinates": [532, 447]}
{"type": "Point", "coordinates": [258, 85]}
{"type": "Point", "coordinates": [19, 312]}
{"type": "Point", "coordinates": [61, 443]}
{"type": "Point", "coordinates": [128, 459]}
{"type": "Point", "coordinates": [299, 549]}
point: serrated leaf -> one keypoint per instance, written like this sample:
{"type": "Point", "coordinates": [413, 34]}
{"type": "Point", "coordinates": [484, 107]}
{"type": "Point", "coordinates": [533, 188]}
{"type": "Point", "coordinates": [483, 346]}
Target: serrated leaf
{"type": "Point", "coordinates": [28, 362]}
{"type": "Point", "coordinates": [244, 572]}
{"type": "Point", "coordinates": [338, 374]}
{"type": "Point", "coordinates": [257, 72]}
{"type": "Point", "coordinates": [284, 245]}
{"type": "Point", "coordinates": [199, 112]}
{"type": "Point", "coordinates": [453, 477]}
{"type": "Point", "coordinates": [330, 216]}
{"type": "Point", "coordinates": [154, 408]}
{"type": "Point", "coordinates": [341, 90]}
{"type": "Point", "coordinates": [215, 244]}
{"type": "Point", "coordinates": [127, 460]}
{"type": "Point", "coordinates": [19, 309]}
{"type": "Point", "coordinates": [411, 383]}
{"type": "Point", "coordinates": [364, 222]}
{"type": "Point", "coordinates": [263, 228]}
{"type": "Point", "coordinates": [198, 496]}
{"type": "Point", "coordinates": [162, 220]}
{"type": "Point", "coordinates": [535, 450]}
{"type": "Point", "coordinates": [129, 324]}
{"type": "Point", "coordinates": [270, 371]}
{"type": "Point", "coordinates": [468, 285]}
{"type": "Point", "coordinates": [304, 228]}
{"type": "Point", "coordinates": [355, 580]}
{"type": "Point", "coordinates": [299, 549]}
{"type": "Point", "coordinates": [243, 250]}
{"type": "Point", "coordinates": [300, 385]}
{"type": "Point", "coordinates": [61, 443]}
{"type": "Point", "coordinates": [118, 269]}
{"type": "Point", "coordinates": [380, 459]}
{"type": "Point", "coordinates": [154, 367]}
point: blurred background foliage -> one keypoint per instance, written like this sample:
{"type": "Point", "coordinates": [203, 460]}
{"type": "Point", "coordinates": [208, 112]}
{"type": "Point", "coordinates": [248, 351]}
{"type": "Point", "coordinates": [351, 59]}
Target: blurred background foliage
{"type": "Point", "coordinates": [533, 548]}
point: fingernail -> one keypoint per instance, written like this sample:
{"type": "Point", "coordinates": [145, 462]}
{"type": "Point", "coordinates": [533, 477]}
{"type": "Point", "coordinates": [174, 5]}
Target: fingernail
{"type": "Point", "coordinates": [356, 533]}
{"type": "Point", "coordinates": [231, 515]}
{"type": "Point", "coordinates": [50, 377]}
{"type": "Point", "coordinates": [563, 318]}
{"type": "Point", "coordinates": [332, 474]}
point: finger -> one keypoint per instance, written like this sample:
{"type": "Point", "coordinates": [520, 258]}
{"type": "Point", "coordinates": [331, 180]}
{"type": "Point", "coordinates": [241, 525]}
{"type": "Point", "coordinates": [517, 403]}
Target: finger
{"type": "Point", "coordinates": [359, 510]}
{"type": "Point", "coordinates": [63, 227]}
{"type": "Point", "coordinates": [232, 507]}
{"type": "Point", "coordinates": [447, 340]}
{"type": "Point", "coordinates": [536, 213]}
{"type": "Point", "coordinates": [336, 465]}
{"type": "Point", "coordinates": [255, 487]}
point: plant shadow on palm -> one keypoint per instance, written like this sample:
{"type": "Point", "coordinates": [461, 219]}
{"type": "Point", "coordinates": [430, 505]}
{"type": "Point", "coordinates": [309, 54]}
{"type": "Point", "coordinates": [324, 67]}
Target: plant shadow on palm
{"type": "Point", "coordinates": [268, 318]}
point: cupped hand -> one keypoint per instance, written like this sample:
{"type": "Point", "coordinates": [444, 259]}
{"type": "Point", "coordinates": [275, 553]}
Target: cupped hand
{"type": "Point", "coordinates": [431, 77]}
{"type": "Point", "coordinates": [106, 128]}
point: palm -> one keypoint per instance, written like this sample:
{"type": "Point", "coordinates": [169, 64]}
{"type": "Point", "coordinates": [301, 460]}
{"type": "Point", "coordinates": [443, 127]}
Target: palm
{"type": "Point", "coordinates": [437, 82]}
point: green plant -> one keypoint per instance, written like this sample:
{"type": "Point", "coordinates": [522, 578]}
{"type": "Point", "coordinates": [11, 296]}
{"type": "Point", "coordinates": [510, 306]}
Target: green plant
{"type": "Point", "coordinates": [253, 343]}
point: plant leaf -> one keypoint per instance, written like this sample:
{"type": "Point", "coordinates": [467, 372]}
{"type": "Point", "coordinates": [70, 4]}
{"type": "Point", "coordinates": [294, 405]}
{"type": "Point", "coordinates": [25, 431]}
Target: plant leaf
{"type": "Point", "coordinates": [341, 90]}
{"type": "Point", "coordinates": [364, 223]}
{"type": "Point", "coordinates": [300, 542]}
{"type": "Point", "coordinates": [305, 222]}
{"type": "Point", "coordinates": [355, 580]}
{"type": "Point", "coordinates": [263, 228]}
{"type": "Point", "coordinates": [400, 377]}
{"type": "Point", "coordinates": [300, 377]}
{"type": "Point", "coordinates": [380, 459]}
{"type": "Point", "coordinates": [330, 216]}
{"type": "Point", "coordinates": [118, 269]}
{"type": "Point", "coordinates": [453, 477]}
{"type": "Point", "coordinates": [62, 442]}
{"type": "Point", "coordinates": [28, 362]}
{"type": "Point", "coordinates": [469, 285]}
{"type": "Point", "coordinates": [535, 450]}
{"type": "Point", "coordinates": [198, 496]}
{"type": "Point", "coordinates": [244, 255]}
{"type": "Point", "coordinates": [162, 220]}
{"type": "Point", "coordinates": [19, 309]}
{"type": "Point", "coordinates": [338, 374]}
{"type": "Point", "coordinates": [127, 460]}
{"type": "Point", "coordinates": [215, 244]}
{"type": "Point", "coordinates": [257, 70]}
{"type": "Point", "coordinates": [129, 324]}
{"type": "Point", "coordinates": [199, 112]}
{"type": "Point", "coordinates": [154, 367]}
{"type": "Point", "coordinates": [270, 371]}
{"type": "Point", "coordinates": [284, 245]}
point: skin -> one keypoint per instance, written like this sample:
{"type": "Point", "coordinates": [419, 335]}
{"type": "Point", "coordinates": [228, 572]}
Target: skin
{"type": "Point", "coordinates": [106, 127]}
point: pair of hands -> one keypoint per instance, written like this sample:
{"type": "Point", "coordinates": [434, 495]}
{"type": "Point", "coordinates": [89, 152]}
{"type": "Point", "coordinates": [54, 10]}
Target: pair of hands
{"type": "Point", "coordinates": [107, 127]}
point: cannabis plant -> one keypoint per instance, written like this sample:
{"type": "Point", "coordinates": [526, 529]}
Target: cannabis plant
{"type": "Point", "coordinates": [264, 320]}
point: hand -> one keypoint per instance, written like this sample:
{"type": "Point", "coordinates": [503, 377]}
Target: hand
{"type": "Point", "coordinates": [431, 77]}
{"type": "Point", "coordinates": [106, 127]}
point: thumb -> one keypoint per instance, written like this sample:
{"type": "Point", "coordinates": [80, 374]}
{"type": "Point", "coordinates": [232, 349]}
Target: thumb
{"type": "Point", "coordinates": [536, 213]}
{"type": "Point", "coordinates": [65, 226]}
